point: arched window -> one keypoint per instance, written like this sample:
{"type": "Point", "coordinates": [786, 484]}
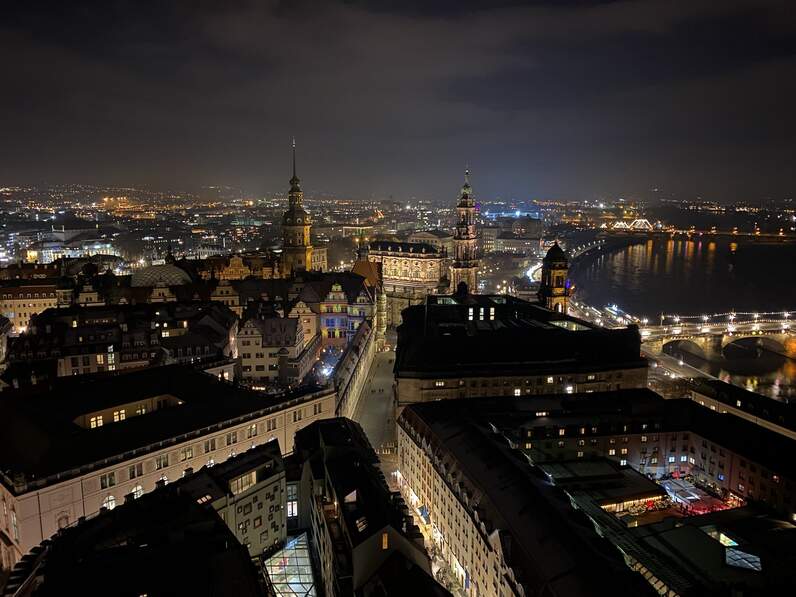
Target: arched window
{"type": "Point", "coordinates": [137, 491]}
{"type": "Point", "coordinates": [109, 502]}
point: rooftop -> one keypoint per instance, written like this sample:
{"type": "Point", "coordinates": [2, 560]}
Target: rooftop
{"type": "Point", "coordinates": [551, 548]}
{"type": "Point", "coordinates": [500, 333]}
{"type": "Point", "coordinates": [474, 446]}
{"type": "Point", "coordinates": [174, 546]}
{"type": "Point", "coordinates": [45, 444]}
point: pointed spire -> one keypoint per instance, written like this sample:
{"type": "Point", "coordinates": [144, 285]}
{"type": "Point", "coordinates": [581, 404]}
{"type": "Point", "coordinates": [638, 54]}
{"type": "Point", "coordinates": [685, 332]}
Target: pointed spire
{"type": "Point", "coordinates": [294, 181]}
{"type": "Point", "coordinates": [466, 188]}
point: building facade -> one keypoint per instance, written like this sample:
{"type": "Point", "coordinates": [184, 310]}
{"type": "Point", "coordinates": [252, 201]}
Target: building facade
{"type": "Point", "coordinates": [409, 272]}
{"type": "Point", "coordinates": [469, 469]}
{"type": "Point", "coordinates": [273, 351]}
{"type": "Point", "coordinates": [20, 300]}
{"type": "Point", "coordinates": [113, 436]}
{"type": "Point", "coordinates": [459, 346]}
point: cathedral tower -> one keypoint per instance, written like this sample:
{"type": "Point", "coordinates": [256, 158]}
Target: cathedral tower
{"type": "Point", "coordinates": [465, 249]}
{"type": "Point", "coordinates": [554, 289]}
{"type": "Point", "coordinates": [296, 226]}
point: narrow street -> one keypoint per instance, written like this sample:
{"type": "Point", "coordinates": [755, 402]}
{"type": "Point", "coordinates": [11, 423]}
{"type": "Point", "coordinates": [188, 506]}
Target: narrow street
{"type": "Point", "coordinates": [375, 409]}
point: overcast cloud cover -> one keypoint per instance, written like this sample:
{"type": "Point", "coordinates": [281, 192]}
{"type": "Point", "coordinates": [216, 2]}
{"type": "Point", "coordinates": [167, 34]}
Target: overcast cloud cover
{"type": "Point", "coordinates": [567, 98]}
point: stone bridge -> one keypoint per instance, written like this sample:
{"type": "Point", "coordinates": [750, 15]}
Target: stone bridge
{"type": "Point", "coordinates": [709, 342]}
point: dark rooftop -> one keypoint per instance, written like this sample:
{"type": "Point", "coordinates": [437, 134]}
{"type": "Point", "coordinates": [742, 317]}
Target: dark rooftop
{"type": "Point", "coordinates": [494, 334]}
{"type": "Point", "coordinates": [551, 548]}
{"type": "Point", "coordinates": [43, 439]}
{"type": "Point", "coordinates": [162, 543]}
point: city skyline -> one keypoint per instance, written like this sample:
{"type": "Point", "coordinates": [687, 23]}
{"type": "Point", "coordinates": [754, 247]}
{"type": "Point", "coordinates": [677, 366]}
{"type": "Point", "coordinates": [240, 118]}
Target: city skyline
{"type": "Point", "coordinates": [447, 298]}
{"type": "Point", "coordinates": [571, 100]}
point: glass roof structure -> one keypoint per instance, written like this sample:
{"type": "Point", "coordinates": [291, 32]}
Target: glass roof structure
{"type": "Point", "coordinates": [290, 570]}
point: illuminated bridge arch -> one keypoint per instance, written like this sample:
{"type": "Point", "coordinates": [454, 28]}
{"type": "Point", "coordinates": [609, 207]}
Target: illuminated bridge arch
{"type": "Point", "coordinates": [640, 224]}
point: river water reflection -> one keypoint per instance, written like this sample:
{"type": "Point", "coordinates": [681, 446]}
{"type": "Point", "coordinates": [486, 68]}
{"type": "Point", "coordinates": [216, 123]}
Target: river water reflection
{"type": "Point", "coordinates": [694, 277]}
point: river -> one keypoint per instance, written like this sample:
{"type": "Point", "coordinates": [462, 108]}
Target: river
{"type": "Point", "coordinates": [695, 277]}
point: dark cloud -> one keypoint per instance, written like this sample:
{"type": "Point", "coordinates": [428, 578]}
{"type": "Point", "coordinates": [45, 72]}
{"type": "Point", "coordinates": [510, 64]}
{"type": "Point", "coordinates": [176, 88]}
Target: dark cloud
{"type": "Point", "coordinates": [571, 99]}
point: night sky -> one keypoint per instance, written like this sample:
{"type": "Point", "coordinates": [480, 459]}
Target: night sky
{"type": "Point", "coordinates": [566, 99]}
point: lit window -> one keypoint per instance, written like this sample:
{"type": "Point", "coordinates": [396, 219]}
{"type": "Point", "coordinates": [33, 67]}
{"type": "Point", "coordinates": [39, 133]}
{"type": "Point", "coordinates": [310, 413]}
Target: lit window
{"type": "Point", "coordinates": [643, 439]}
{"type": "Point", "coordinates": [118, 415]}
{"type": "Point", "coordinates": [109, 502]}
{"type": "Point", "coordinates": [623, 451]}
{"type": "Point", "coordinates": [251, 431]}
{"type": "Point", "coordinates": [161, 461]}
{"type": "Point", "coordinates": [580, 454]}
{"type": "Point", "coordinates": [95, 422]}
{"type": "Point", "coordinates": [137, 492]}
{"type": "Point", "coordinates": [186, 453]}
{"type": "Point", "coordinates": [384, 541]}
{"type": "Point", "coordinates": [671, 459]}
{"type": "Point", "coordinates": [292, 501]}
{"type": "Point", "coordinates": [470, 313]}
{"type": "Point", "coordinates": [623, 462]}
{"type": "Point", "coordinates": [612, 452]}
{"type": "Point", "coordinates": [517, 392]}
{"type": "Point", "coordinates": [561, 431]}
{"type": "Point", "coordinates": [683, 458]}
{"type": "Point", "coordinates": [439, 384]}
{"type": "Point", "coordinates": [550, 379]}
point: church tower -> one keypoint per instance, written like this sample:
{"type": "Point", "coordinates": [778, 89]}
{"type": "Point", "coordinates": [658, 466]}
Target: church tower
{"type": "Point", "coordinates": [554, 289]}
{"type": "Point", "coordinates": [296, 225]}
{"type": "Point", "coordinates": [465, 249]}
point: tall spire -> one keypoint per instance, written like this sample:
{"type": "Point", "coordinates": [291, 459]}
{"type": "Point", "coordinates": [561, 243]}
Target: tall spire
{"type": "Point", "coordinates": [294, 181]}
{"type": "Point", "coordinates": [466, 188]}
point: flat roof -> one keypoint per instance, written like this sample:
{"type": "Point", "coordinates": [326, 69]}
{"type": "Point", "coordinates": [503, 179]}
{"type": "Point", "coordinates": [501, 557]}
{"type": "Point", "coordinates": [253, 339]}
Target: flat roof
{"type": "Point", "coordinates": [477, 334]}
{"type": "Point", "coordinates": [602, 480]}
